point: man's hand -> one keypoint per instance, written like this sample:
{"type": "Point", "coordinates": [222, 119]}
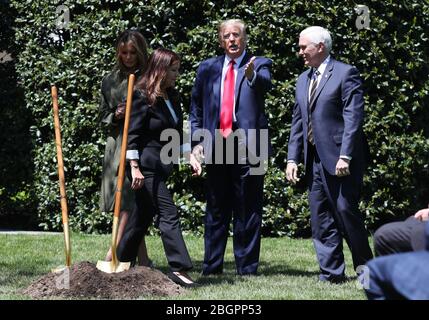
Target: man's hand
{"type": "Point", "coordinates": [249, 68]}
{"type": "Point", "coordinates": [422, 215]}
{"type": "Point", "coordinates": [195, 159]}
{"type": "Point", "coordinates": [342, 168]}
{"type": "Point", "coordinates": [292, 172]}
{"type": "Point", "coordinates": [120, 111]}
{"type": "Point", "coordinates": [196, 165]}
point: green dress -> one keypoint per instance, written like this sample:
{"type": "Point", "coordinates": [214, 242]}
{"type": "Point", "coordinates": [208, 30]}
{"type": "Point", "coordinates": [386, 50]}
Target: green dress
{"type": "Point", "coordinates": [113, 92]}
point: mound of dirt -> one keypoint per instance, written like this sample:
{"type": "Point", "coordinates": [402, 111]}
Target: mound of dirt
{"type": "Point", "coordinates": [84, 280]}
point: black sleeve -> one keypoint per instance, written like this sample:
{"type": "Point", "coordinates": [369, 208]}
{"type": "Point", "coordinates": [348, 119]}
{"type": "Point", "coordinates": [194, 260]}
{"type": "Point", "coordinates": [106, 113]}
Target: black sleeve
{"type": "Point", "coordinates": [138, 115]}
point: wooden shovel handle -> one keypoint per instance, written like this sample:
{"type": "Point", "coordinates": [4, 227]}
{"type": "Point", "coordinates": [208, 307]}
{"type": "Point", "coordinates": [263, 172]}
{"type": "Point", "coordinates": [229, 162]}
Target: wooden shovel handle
{"type": "Point", "coordinates": [120, 182]}
{"type": "Point", "coordinates": [64, 208]}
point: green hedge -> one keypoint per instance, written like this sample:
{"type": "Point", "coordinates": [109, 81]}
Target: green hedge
{"type": "Point", "coordinates": [17, 204]}
{"type": "Point", "coordinates": [392, 57]}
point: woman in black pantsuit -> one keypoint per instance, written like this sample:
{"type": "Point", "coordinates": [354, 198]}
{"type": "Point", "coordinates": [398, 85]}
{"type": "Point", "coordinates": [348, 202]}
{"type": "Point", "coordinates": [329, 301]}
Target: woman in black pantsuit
{"type": "Point", "coordinates": [155, 109]}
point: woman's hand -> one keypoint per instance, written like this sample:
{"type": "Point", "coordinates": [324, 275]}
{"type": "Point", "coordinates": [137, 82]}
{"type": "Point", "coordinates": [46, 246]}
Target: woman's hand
{"type": "Point", "coordinates": [120, 111]}
{"type": "Point", "coordinates": [138, 178]}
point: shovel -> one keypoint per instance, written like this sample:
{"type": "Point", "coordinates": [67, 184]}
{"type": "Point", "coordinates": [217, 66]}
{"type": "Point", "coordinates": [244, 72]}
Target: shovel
{"type": "Point", "coordinates": [64, 209]}
{"type": "Point", "coordinates": [115, 265]}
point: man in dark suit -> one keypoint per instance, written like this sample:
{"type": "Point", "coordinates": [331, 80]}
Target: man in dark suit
{"type": "Point", "coordinates": [327, 125]}
{"type": "Point", "coordinates": [228, 106]}
{"type": "Point", "coordinates": [400, 276]}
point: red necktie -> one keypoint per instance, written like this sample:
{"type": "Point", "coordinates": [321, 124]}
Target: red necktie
{"type": "Point", "coordinates": [227, 101]}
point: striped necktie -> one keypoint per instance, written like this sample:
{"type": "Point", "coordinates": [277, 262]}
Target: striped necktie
{"type": "Point", "coordinates": [310, 103]}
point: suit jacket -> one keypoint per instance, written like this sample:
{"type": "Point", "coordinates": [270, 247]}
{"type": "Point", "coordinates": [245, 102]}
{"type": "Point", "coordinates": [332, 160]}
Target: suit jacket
{"type": "Point", "coordinates": [337, 117]}
{"type": "Point", "coordinates": [145, 128]}
{"type": "Point", "coordinates": [249, 100]}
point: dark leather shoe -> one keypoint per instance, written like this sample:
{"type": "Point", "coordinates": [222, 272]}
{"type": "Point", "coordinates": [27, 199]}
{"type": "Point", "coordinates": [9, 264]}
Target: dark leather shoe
{"type": "Point", "coordinates": [334, 280]}
{"type": "Point", "coordinates": [182, 279]}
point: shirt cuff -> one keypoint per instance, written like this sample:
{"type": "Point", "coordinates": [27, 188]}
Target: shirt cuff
{"type": "Point", "coordinates": [345, 157]}
{"type": "Point", "coordinates": [291, 161]}
{"type": "Point", "coordinates": [132, 154]}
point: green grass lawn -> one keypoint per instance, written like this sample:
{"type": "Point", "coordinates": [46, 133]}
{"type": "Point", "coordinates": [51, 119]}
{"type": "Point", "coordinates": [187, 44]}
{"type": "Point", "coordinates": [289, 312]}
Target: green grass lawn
{"type": "Point", "coordinates": [288, 268]}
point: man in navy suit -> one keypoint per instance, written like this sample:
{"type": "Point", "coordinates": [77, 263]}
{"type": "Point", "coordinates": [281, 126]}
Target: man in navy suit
{"type": "Point", "coordinates": [327, 125]}
{"type": "Point", "coordinates": [400, 276]}
{"type": "Point", "coordinates": [228, 107]}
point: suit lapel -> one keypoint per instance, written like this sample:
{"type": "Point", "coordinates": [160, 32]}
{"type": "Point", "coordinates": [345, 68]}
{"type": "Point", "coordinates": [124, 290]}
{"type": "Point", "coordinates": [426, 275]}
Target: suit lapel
{"type": "Point", "coordinates": [240, 77]}
{"type": "Point", "coordinates": [217, 74]}
{"type": "Point", "coordinates": [164, 113]}
{"type": "Point", "coordinates": [325, 77]}
{"type": "Point", "coordinates": [307, 88]}
{"type": "Point", "coordinates": [169, 116]}
{"type": "Point", "coordinates": [178, 113]}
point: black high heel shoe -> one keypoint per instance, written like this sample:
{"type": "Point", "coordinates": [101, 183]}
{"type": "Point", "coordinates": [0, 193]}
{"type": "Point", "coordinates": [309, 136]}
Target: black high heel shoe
{"type": "Point", "coordinates": [182, 279]}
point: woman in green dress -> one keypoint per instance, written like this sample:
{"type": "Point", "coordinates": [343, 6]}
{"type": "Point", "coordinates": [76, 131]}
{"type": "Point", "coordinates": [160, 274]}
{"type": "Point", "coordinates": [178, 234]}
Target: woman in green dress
{"type": "Point", "coordinates": [131, 57]}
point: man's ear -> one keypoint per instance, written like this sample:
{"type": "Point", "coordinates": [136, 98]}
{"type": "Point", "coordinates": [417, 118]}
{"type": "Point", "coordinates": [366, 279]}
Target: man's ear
{"type": "Point", "coordinates": [221, 44]}
{"type": "Point", "coordinates": [321, 47]}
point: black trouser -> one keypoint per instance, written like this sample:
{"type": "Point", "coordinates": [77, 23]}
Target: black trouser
{"type": "Point", "coordinates": [155, 200]}
{"type": "Point", "coordinates": [397, 237]}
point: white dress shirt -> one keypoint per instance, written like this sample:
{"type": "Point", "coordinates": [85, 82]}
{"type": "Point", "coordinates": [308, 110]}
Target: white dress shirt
{"type": "Point", "coordinates": [225, 69]}
{"type": "Point", "coordinates": [321, 70]}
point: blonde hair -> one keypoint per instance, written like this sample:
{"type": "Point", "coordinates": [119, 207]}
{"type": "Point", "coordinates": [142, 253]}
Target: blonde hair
{"type": "Point", "coordinates": [238, 22]}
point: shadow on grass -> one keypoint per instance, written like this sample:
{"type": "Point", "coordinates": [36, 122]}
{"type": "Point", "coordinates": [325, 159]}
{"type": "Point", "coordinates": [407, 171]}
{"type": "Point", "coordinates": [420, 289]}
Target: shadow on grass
{"type": "Point", "coordinates": [230, 277]}
{"type": "Point", "coordinates": [23, 269]}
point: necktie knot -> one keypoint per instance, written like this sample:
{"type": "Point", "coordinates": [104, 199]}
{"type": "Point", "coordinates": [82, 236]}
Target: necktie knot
{"type": "Point", "coordinates": [232, 62]}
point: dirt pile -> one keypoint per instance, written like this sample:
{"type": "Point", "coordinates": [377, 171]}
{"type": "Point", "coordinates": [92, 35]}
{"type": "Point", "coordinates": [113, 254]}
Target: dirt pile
{"type": "Point", "coordinates": [84, 280]}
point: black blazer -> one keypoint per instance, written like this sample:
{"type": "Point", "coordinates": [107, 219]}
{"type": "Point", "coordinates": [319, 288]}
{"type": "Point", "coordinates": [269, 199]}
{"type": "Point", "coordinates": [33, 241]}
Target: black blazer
{"type": "Point", "coordinates": [146, 126]}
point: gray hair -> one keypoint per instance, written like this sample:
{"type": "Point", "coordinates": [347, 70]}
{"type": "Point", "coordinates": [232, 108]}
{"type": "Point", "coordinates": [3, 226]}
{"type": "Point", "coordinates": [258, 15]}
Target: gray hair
{"type": "Point", "coordinates": [238, 22]}
{"type": "Point", "coordinates": [317, 35]}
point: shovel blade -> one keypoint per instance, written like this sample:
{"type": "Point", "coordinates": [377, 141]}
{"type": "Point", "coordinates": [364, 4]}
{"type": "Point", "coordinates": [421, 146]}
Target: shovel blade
{"type": "Point", "coordinates": [60, 269]}
{"type": "Point", "coordinates": [110, 267]}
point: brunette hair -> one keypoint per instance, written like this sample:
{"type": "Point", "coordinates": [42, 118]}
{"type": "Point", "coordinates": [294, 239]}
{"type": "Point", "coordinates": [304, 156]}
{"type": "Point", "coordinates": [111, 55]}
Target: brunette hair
{"type": "Point", "coordinates": [139, 43]}
{"type": "Point", "coordinates": [157, 67]}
